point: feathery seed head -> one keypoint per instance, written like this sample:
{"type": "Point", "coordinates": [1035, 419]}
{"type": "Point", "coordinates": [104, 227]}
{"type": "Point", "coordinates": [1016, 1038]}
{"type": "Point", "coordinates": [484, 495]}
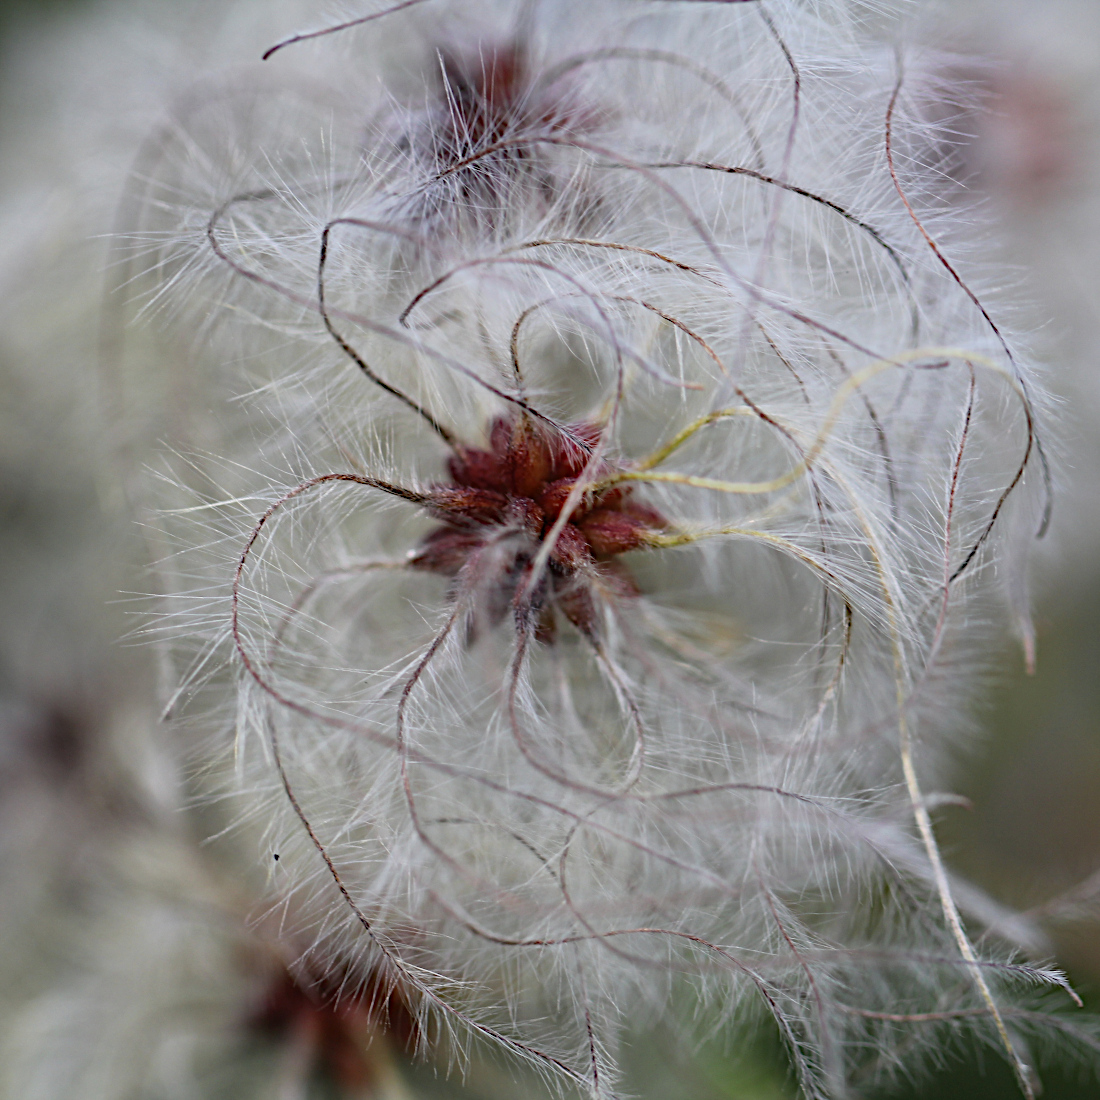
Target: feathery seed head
{"type": "Point", "coordinates": [615, 490]}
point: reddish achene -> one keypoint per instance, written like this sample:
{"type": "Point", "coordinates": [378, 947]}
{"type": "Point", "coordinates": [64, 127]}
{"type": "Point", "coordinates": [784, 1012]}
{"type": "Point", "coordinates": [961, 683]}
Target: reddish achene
{"type": "Point", "coordinates": [509, 498]}
{"type": "Point", "coordinates": [347, 1036]}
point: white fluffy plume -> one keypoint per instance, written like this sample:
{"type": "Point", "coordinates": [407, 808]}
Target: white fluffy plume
{"type": "Point", "coordinates": [606, 470]}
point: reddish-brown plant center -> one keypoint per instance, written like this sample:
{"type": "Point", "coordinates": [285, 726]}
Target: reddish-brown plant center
{"type": "Point", "coordinates": [494, 95]}
{"type": "Point", "coordinates": [511, 497]}
{"type": "Point", "coordinates": [340, 1031]}
{"type": "Point", "coordinates": [489, 134]}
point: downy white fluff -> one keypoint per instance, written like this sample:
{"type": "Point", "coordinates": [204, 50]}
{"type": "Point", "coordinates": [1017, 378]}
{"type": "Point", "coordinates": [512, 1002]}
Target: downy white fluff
{"type": "Point", "coordinates": [603, 470]}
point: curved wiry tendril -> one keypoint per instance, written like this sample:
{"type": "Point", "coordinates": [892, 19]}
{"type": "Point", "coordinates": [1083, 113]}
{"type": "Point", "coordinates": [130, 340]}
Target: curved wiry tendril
{"type": "Point", "coordinates": [1048, 486]}
{"type": "Point", "coordinates": [620, 349]}
{"type": "Point", "coordinates": [338, 27]}
{"type": "Point", "coordinates": [666, 57]}
{"type": "Point", "coordinates": [381, 329]}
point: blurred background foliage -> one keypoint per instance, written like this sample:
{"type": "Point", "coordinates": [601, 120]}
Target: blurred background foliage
{"type": "Point", "coordinates": [1032, 829]}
